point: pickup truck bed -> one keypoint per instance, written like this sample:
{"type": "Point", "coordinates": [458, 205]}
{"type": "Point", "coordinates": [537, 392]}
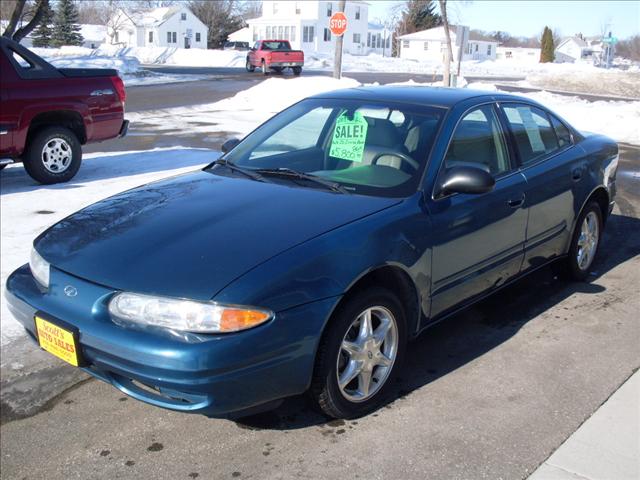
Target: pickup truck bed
{"type": "Point", "coordinates": [48, 113]}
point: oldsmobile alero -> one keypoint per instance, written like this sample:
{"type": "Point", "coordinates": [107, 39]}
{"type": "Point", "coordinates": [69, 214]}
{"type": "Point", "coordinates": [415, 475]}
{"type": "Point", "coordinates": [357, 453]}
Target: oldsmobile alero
{"type": "Point", "coordinates": [312, 251]}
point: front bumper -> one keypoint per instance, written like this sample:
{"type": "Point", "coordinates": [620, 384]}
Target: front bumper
{"type": "Point", "coordinates": [212, 374]}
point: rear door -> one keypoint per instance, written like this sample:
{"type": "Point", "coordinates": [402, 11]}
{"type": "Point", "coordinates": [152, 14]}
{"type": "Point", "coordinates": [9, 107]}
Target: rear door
{"type": "Point", "coordinates": [478, 239]}
{"type": "Point", "coordinates": [554, 169]}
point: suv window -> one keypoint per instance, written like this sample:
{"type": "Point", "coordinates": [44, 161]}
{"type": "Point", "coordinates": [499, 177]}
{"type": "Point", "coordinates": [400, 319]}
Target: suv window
{"type": "Point", "coordinates": [534, 136]}
{"type": "Point", "coordinates": [23, 62]}
{"type": "Point", "coordinates": [478, 141]}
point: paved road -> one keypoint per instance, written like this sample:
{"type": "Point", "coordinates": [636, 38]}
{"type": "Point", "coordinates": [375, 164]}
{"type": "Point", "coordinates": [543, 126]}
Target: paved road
{"type": "Point", "coordinates": [488, 394]}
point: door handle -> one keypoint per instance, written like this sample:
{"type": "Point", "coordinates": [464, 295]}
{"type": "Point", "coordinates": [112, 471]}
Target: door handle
{"type": "Point", "coordinates": [514, 203]}
{"type": "Point", "coordinates": [576, 174]}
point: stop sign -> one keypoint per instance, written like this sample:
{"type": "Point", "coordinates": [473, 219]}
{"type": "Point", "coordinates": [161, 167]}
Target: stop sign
{"type": "Point", "coordinates": [338, 23]}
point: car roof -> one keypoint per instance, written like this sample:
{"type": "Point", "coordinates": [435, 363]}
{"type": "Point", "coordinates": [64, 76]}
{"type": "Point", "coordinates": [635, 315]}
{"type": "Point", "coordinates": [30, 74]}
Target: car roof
{"type": "Point", "coordinates": [418, 94]}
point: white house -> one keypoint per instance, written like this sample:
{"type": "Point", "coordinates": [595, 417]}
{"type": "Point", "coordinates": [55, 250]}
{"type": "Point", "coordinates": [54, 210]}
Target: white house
{"type": "Point", "coordinates": [305, 24]}
{"type": "Point", "coordinates": [571, 49]}
{"type": "Point", "coordinates": [518, 54]}
{"type": "Point", "coordinates": [93, 35]}
{"type": "Point", "coordinates": [174, 26]}
{"type": "Point", "coordinates": [431, 44]}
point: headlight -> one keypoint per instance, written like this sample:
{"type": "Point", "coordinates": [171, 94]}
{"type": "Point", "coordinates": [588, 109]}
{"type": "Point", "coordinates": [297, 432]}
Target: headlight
{"type": "Point", "coordinates": [185, 315]}
{"type": "Point", "coordinates": [39, 268]}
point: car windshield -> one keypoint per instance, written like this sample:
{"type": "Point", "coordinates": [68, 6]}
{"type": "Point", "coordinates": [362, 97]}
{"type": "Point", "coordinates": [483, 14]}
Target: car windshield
{"type": "Point", "coordinates": [366, 148]}
{"type": "Point", "coordinates": [275, 46]}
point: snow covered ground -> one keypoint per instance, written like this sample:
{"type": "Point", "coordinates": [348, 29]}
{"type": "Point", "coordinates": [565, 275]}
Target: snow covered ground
{"type": "Point", "coordinates": [27, 209]}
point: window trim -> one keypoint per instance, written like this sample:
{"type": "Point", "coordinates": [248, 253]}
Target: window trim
{"type": "Point", "coordinates": [514, 168]}
{"type": "Point", "coordinates": [542, 158]}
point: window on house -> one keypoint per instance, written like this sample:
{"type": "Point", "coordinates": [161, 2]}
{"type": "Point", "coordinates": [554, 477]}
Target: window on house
{"type": "Point", "coordinates": [329, 9]}
{"type": "Point", "coordinates": [378, 40]}
{"type": "Point", "coordinates": [293, 33]}
{"type": "Point", "coordinates": [150, 37]}
{"type": "Point", "coordinates": [275, 7]}
{"type": "Point", "coordinates": [356, 38]}
{"type": "Point", "coordinates": [488, 49]}
{"type": "Point", "coordinates": [369, 39]}
{"type": "Point", "coordinates": [255, 34]}
{"type": "Point", "coordinates": [405, 44]}
{"type": "Point", "coordinates": [175, 37]}
{"type": "Point", "coordinates": [476, 47]}
{"type": "Point", "coordinates": [197, 37]}
{"type": "Point", "coordinates": [327, 35]}
{"type": "Point", "coordinates": [426, 45]}
{"type": "Point", "coordinates": [389, 42]}
{"type": "Point", "coordinates": [168, 37]}
{"type": "Point", "coordinates": [268, 35]}
{"type": "Point", "coordinates": [297, 9]}
{"type": "Point", "coordinates": [286, 33]}
{"type": "Point", "coordinates": [357, 13]}
{"type": "Point", "coordinates": [183, 16]}
{"type": "Point", "coordinates": [308, 32]}
{"type": "Point", "coordinates": [280, 32]}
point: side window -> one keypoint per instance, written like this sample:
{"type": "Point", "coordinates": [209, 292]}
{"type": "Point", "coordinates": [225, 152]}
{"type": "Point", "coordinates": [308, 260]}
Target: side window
{"type": "Point", "coordinates": [20, 60]}
{"type": "Point", "coordinates": [535, 137]}
{"type": "Point", "coordinates": [478, 141]}
{"type": "Point", "coordinates": [304, 132]}
{"type": "Point", "coordinates": [562, 132]}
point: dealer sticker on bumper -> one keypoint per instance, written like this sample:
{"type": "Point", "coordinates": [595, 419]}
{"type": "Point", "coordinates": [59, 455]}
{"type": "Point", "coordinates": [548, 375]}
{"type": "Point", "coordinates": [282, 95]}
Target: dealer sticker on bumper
{"type": "Point", "coordinates": [57, 341]}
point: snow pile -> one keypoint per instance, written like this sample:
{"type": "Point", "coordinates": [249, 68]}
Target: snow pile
{"type": "Point", "coordinates": [241, 113]}
{"type": "Point", "coordinates": [28, 209]}
{"type": "Point", "coordinates": [192, 57]}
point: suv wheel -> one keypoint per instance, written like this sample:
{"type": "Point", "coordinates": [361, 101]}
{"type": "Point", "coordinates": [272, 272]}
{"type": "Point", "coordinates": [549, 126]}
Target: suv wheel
{"type": "Point", "coordinates": [53, 156]}
{"type": "Point", "coordinates": [359, 354]}
{"type": "Point", "coordinates": [249, 67]}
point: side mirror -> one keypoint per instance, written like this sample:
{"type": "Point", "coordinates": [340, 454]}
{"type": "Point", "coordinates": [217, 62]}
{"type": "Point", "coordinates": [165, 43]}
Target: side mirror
{"type": "Point", "coordinates": [229, 144]}
{"type": "Point", "coordinates": [471, 180]}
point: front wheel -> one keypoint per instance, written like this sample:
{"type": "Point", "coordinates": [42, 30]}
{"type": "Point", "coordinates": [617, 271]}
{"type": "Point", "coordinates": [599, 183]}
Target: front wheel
{"type": "Point", "coordinates": [297, 71]}
{"type": "Point", "coordinates": [53, 156]}
{"type": "Point", "coordinates": [585, 242]}
{"type": "Point", "coordinates": [359, 354]}
{"type": "Point", "coordinates": [250, 68]}
{"type": "Point", "coordinates": [265, 69]}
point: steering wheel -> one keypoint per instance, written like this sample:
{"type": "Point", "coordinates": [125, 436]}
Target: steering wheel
{"type": "Point", "coordinates": [401, 155]}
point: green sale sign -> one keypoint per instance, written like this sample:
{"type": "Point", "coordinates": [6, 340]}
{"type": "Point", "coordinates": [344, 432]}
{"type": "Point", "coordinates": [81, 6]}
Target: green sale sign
{"type": "Point", "coordinates": [349, 137]}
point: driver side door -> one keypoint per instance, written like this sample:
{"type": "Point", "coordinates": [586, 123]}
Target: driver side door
{"type": "Point", "coordinates": [478, 238]}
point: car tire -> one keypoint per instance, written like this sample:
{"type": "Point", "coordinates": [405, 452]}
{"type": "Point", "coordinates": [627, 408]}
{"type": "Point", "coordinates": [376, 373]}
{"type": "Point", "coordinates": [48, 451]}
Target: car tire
{"type": "Point", "coordinates": [54, 155]}
{"type": "Point", "coordinates": [250, 68]}
{"type": "Point", "coordinates": [363, 355]}
{"type": "Point", "coordinates": [265, 70]}
{"type": "Point", "coordinates": [297, 71]}
{"type": "Point", "coordinates": [585, 242]}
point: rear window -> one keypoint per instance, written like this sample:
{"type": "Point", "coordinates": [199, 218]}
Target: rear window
{"type": "Point", "coordinates": [275, 46]}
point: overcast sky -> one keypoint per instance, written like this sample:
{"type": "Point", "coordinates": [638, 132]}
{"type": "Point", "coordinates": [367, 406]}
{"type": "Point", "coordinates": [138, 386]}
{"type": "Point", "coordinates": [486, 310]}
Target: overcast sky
{"type": "Point", "coordinates": [526, 18]}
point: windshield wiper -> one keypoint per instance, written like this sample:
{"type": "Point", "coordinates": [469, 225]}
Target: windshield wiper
{"type": "Point", "coordinates": [247, 172]}
{"type": "Point", "coordinates": [288, 172]}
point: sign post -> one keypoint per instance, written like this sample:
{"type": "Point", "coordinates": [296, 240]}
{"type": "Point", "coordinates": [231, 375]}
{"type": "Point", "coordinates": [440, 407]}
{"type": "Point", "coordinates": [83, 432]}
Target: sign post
{"type": "Point", "coordinates": [338, 25]}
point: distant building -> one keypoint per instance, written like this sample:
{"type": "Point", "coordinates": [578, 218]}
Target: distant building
{"type": "Point", "coordinates": [173, 26]}
{"type": "Point", "coordinates": [306, 25]}
{"type": "Point", "coordinates": [431, 44]}
{"type": "Point", "coordinates": [518, 54]}
{"type": "Point", "coordinates": [572, 49]}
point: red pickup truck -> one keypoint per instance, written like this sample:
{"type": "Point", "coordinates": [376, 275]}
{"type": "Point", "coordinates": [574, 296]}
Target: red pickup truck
{"type": "Point", "coordinates": [47, 113]}
{"type": "Point", "coordinates": [275, 55]}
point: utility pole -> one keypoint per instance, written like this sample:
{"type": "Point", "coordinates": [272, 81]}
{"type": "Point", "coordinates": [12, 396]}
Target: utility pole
{"type": "Point", "coordinates": [337, 59]}
{"type": "Point", "coordinates": [446, 76]}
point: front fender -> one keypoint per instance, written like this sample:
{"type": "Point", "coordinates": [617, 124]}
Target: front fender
{"type": "Point", "coordinates": [330, 264]}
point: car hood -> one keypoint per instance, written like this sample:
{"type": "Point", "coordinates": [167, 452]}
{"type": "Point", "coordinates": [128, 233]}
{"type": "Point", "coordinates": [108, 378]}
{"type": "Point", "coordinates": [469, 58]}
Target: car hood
{"type": "Point", "coordinates": [191, 235]}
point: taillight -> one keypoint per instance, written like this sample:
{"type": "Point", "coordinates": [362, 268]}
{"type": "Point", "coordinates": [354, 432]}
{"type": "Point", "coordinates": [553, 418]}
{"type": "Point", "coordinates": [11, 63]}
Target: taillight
{"type": "Point", "coordinates": [118, 84]}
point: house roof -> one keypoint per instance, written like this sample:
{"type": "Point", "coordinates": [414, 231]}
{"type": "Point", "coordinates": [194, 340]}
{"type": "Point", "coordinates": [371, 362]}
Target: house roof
{"type": "Point", "coordinates": [577, 40]}
{"type": "Point", "coordinates": [153, 17]}
{"type": "Point", "coordinates": [93, 33]}
{"type": "Point", "coordinates": [437, 33]}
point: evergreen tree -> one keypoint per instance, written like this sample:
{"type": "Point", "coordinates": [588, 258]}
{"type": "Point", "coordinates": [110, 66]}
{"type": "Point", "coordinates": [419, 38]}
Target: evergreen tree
{"type": "Point", "coordinates": [419, 15]}
{"type": "Point", "coordinates": [66, 28]}
{"type": "Point", "coordinates": [42, 34]}
{"type": "Point", "coordinates": [547, 48]}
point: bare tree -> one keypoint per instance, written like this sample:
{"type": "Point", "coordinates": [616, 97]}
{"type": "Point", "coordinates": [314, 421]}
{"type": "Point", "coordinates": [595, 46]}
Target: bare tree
{"type": "Point", "coordinates": [446, 75]}
{"type": "Point", "coordinates": [222, 17]}
{"type": "Point", "coordinates": [34, 14]}
{"type": "Point", "coordinates": [6, 8]}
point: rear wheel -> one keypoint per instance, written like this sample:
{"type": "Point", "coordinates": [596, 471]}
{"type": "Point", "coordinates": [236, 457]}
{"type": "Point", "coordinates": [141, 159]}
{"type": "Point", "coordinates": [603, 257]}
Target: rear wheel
{"type": "Point", "coordinates": [53, 156]}
{"type": "Point", "coordinates": [249, 67]}
{"type": "Point", "coordinates": [585, 242]}
{"type": "Point", "coordinates": [359, 354]}
{"type": "Point", "coordinates": [277, 69]}
{"type": "Point", "coordinates": [297, 71]}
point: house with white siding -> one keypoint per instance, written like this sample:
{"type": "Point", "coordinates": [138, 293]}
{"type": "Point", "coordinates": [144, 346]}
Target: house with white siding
{"type": "Point", "coordinates": [305, 24]}
{"type": "Point", "coordinates": [518, 54]}
{"type": "Point", "coordinates": [431, 44]}
{"type": "Point", "coordinates": [174, 26]}
{"type": "Point", "coordinates": [571, 49]}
